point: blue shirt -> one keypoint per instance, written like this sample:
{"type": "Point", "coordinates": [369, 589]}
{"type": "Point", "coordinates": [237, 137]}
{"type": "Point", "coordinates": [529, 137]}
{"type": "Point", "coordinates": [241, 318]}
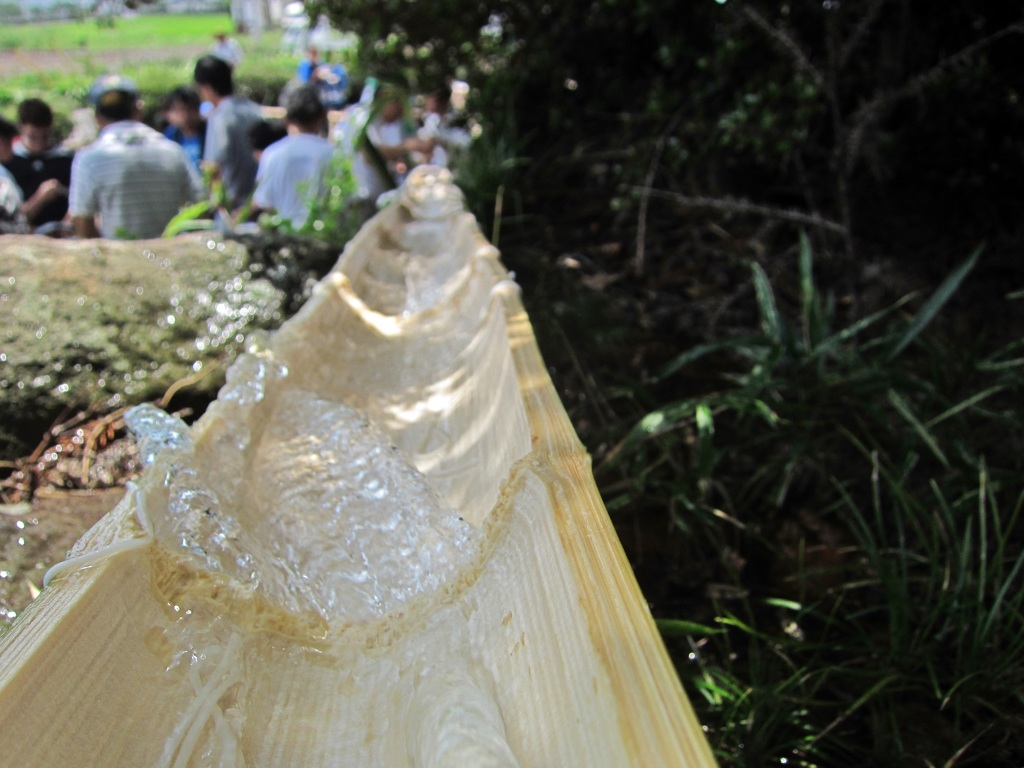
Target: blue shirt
{"type": "Point", "coordinates": [193, 145]}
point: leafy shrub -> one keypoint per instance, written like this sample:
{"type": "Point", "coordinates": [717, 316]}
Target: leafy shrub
{"type": "Point", "coordinates": [860, 488]}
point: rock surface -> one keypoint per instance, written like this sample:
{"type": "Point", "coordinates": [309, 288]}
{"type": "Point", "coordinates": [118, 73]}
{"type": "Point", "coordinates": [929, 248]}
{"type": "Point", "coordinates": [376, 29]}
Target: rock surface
{"type": "Point", "coordinates": [100, 322]}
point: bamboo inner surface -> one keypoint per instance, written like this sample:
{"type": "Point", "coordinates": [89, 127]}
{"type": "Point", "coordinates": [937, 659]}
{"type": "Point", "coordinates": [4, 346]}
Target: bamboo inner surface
{"type": "Point", "coordinates": [381, 546]}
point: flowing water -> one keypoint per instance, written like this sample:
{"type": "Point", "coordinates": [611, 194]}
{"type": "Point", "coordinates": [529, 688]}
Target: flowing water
{"type": "Point", "coordinates": [321, 524]}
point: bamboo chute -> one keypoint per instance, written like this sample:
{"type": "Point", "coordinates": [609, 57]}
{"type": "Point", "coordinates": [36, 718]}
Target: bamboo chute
{"type": "Point", "coordinates": [381, 546]}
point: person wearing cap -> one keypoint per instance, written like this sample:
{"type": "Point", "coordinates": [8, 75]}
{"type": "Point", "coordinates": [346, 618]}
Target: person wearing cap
{"type": "Point", "coordinates": [291, 169]}
{"type": "Point", "coordinates": [40, 166]}
{"type": "Point", "coordinates": [228, 150]}
{"type": "Point", "coordinates": [131, 181]}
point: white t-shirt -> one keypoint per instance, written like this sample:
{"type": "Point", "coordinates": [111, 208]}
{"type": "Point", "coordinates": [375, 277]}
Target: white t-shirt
{"type": "Point", "coordinates": [369, 179]}
{"type": "Point", "coordinates": [10, 203]}
{"type": "Point", "coordinates": [436, 126]}
{"type": "Point", "coordinates": [290, 173]}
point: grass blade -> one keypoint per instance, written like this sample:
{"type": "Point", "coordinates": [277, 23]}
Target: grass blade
{"type": "Point", "coordinates": [860, 702]}
{"type": "Point", "coordinates": [853, 329]}
{"type": "Point", "coordinates": [675, 627]}
{"type": "Point", "coordinates": [935, 303]}
{"type": "Point", "coordinates": [904, 410]}
{"type": "Point", "coordinates": [973, 400]}
{"type": "Point", "coordinates": [699, 351]}
{"type": "Point", "coordinates": [808, 296]}
{"type": "Point", "coordinates": [771, 321]}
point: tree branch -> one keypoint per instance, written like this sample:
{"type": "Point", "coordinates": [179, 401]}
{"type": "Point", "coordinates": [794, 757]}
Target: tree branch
{"type": "Point", "coordinates": [641, 234]}
{"type": "Point", "coordinates": [873, 110]}
{"type": "Point", "coordinates": [786, 42]}
{"type": "Point", "coordinates": [731, 205]}
{"type": "Point", "coordinates": [860, 32]}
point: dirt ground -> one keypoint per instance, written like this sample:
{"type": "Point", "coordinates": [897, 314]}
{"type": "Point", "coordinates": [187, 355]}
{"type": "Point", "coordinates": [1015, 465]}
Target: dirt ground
{"type": "Point", "coordinates": [21, 62]}
{"type": "Point", "coordinates": [49, 499]}
{"type": "Point", "coordinates": [36, 535]}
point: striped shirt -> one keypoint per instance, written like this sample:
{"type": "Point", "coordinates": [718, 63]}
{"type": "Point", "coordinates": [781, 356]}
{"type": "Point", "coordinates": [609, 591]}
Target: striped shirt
{"type": "Point", "coordinates": [134, 179]}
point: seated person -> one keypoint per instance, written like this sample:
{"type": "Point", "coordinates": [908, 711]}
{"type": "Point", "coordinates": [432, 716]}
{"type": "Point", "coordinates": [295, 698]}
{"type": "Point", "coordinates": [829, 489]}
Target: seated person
{"type": "Point", "coordinates": [8, 133]}
{"type": "Point", "coordinates": [384, 149]}
{"type": "Point", "coordinates": [131, 181]}
{"type": "Point", "coordinates": [264, 133]}
{"type": "Point", "coordinates": [11, 219]}
{"type": "Point", "coordinates": [291, 169]}
{"type": "Point", "coordinates": [185, 126]}
{"type": "Point", "coordinates": [438, 128]}
{"type": "Point", "coordinates": [40, 165]}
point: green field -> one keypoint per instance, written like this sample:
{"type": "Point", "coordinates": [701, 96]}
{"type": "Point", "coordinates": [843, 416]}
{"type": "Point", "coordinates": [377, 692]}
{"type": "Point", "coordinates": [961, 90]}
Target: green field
{"type": "Point", "coordinates": [158, 52]}
{"type": "Point", "coordinates": [113, 34]}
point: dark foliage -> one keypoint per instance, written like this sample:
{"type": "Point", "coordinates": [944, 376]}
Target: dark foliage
{"type": "Point", "coordinates": [803, 496]}
{"type": "Point", "coordinates": [852, 118]}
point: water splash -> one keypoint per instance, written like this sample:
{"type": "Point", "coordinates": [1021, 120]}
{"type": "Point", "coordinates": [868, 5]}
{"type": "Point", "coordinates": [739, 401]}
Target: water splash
{"type": "Point", "coordinates": [332, 518]}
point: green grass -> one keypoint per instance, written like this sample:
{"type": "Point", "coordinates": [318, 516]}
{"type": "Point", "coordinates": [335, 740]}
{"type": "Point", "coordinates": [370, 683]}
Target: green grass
{"type": "Point", "coordinates": [261, 75]}
{"type": "Point", "coordinates": [848, 506]}
{"type": "Point", "coordinates": [143, 31]}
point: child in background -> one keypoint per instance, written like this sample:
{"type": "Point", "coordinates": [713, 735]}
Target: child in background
{"type": "Point", "coordinates": [185, 126]}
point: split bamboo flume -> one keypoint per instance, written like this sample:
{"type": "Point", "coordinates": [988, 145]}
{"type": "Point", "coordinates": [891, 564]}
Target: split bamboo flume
{"type": "Point", "coordinates": [381, 545]}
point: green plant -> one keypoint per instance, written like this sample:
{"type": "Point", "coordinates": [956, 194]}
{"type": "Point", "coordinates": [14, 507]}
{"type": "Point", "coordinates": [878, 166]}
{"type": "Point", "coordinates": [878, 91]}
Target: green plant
{"type": "Point", "coordinates": [333, 212]}
{"type": "Point", "coordinates": [865, 594]}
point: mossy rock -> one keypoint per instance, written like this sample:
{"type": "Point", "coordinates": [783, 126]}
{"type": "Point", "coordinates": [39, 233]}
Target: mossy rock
{"type": "Point", "coordinates": [100, 322]}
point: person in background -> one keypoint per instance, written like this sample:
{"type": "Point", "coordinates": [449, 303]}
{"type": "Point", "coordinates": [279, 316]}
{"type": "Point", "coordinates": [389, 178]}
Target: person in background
{"type": "Point", "coordinates": [264, 133]}
{"type": "Point", "coordinates": [11, 218]}
{"type": "Point", "coordinates": [291, 169]}
{"type": "Point", "coordinates": [185, 126]}
{"type": "Point", "coordinates": [384, 147]}
{"type": "Point", "coordinates": [437, 127]}
{"type": "Point", "coordinates": [226, 49]}
{"type": "Point", "coordinates": [12, 221]}
{"type": "Point", "coordinates": [332, 83]}
{"type": "Point", "coordinates": [228, 150]}
{"type": "Point", "coordinates": [8, 133]}
{"type": "Point", "coordinates": [306, 73]}
{"type": "Point", "coordinates": [40, 166]}
{"type": "Point", "coordinates": [131, 181]}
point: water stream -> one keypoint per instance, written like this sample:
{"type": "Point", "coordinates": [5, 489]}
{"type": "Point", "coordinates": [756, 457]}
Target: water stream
{"type": "Point", "coordinates": [296, 522]}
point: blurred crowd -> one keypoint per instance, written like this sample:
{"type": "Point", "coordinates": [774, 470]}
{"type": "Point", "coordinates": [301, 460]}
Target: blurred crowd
{"type": "Point", "coordinates": [209, 144]}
